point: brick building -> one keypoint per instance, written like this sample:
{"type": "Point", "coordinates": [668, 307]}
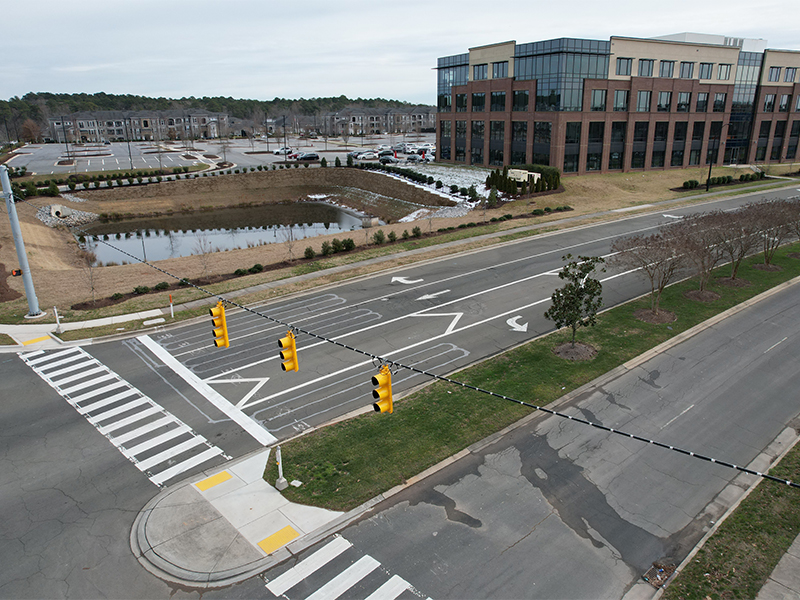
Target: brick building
{"type": "Point", "coordinates": [626, 104]}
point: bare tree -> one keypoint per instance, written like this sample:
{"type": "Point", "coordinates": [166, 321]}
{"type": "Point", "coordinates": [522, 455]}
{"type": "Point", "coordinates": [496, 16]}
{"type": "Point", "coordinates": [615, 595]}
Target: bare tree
{"type": "Point", "coordinates": [697, 237]}
{"type": "Point", "coordinates": [289, 239]}
{"type": "Point", "coordinates": [738, 237]}
{"type": "Point", "coordinates": [654, 255]}
{"type": "Point", "coordinates": [771, 217]}
{"type": "Point", "coordinates": [203, 248]}
{"type": "Point", "coordinates": [793, 216]}
{"type": "Point", "coordinates": [30, 131]}
{"type": "Point", "coordinates": [87, 260]}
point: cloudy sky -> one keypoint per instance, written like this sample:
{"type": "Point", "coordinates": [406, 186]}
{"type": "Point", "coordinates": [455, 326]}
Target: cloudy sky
{"type": "Point", "coordinates": [263, 49]}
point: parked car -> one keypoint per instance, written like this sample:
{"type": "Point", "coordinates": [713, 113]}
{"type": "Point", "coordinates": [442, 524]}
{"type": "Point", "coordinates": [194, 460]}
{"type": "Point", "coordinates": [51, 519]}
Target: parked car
{"type": "Point", "coordinates": [389, 160]}
{"type": "Point", "coordinates": [308, 156]}
{"type": "Point", "coordinates": [283, 151]}
{"type": "Point", "coordinates": [383, 147]}
{"type": "Point", "coordinates": [413, 158]}
{"type": "Point", "coordinates": [355, 153]}
{"type": "Point", "coordinates": [293, 155]}
{"type": "Point", "coordinates": [411, 148]}
{"type": "Point", "coordinates": [367, 156]}
{"type": "Point", "coordinates": [385, 152]}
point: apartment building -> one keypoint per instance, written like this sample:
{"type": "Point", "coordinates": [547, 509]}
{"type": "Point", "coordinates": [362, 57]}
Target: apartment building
{"type": "Point", "coordinates": [625, 104]}
{"type": "Point", "coordinates": [368, 121]}
{"type": "Point", "coordinates": [112, 125]}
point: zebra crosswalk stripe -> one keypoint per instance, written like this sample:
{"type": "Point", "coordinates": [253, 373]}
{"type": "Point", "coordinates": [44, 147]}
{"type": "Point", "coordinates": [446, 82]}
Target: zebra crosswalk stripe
{"type": "Point", "coordinates": [296, 574]}
{"type": "Point", "coordinates": [76, 375]}
{"type": "Point", "coordinates": [346, 579]}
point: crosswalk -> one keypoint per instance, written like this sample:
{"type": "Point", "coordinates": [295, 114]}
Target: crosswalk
{"type": "Point", "coordinates": [153, 439]}
{"type": "Point", "coordinates": [338, 570]}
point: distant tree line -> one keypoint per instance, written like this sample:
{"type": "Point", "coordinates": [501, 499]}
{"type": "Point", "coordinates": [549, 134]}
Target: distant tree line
{"type": "Point", "coordinates": [40, 106]}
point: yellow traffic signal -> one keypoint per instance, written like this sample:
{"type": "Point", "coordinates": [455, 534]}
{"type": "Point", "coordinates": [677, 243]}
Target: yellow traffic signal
{"type": "Point", "coordinates": [289, 352]}
{"type": "Point", "coordinates": [220, 325]}
{"type": "Point", "coordinates": [383, 391]}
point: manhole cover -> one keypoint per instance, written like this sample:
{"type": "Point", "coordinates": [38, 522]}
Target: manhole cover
{"type": "Point", "coordinates": [657, 575]}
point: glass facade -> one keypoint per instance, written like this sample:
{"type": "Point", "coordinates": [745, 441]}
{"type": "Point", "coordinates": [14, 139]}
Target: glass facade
{"type": "Point", "coordinates": [559, 68]}
{"type": "Point", "coordinates": [451, 70]}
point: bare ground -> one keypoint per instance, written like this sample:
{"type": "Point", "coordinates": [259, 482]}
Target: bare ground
{"type": "Point", "coordinates": [578, 352]}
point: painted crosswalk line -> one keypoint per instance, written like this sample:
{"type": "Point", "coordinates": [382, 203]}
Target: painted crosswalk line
{"type": "Point", "coordinates": [156, 441]}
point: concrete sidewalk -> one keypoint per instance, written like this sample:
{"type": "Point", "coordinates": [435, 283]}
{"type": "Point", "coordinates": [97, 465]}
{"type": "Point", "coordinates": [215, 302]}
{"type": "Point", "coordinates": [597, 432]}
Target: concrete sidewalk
{"type": "Point", "coordinates": [224, 526]}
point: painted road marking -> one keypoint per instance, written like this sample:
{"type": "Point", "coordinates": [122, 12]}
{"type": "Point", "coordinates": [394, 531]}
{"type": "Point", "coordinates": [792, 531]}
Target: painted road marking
{"type": "Point", "coordinates": [160, 456]}
{"type": "Point", "coordinates": [346, 579]}
{"type": "Point", "coordinates": [306, 567]}
{"type": "Point", "coordinates": [390, 590]}
{"type": "Point", "coordinates": [212, 481]}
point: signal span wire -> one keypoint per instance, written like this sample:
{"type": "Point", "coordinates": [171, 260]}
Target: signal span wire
{"type": "Point", "coordinates": [398, 365]}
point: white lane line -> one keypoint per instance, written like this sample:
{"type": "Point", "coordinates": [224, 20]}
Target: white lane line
{"type": "Point", "coordinates": [307, 566]}
{"type": "Point", "coordinates": [391, 589]}
{"type": "Point", "coordinates": [255, 429]}
{"type": "Point", "coordinates": [774, 345]}
{"type": "Point", "coordinates": [683, 412]}
{"type": "Point", "coordinates": [346, 579]}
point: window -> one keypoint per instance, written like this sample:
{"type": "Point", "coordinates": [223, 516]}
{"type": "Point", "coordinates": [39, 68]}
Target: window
{"type": "Point", "coordinates": [598, 100]}
{"type": "Point", "coordinates": [621, 100]}
{"type": "Point", "coordinates": [706, 70]}
{"type": "Point", "coordinates": [664, 101]}
{"type": "Point", "coordinates": [694, 157]}
{"type": "Point", "coordinates": [520, 101]}
{"type": "Point", "coordinates": [495, 156]}
{"type": "Point", "coordinates": [776, 151]}
{"type": "Point", "coordinates": [775, 73]}
{"type": "Point", "coordinates": [719, 102]}
{"type": "Point", "coordinates": [593, 160]}
{"type": "Point", "coordinates": [666, 68]}
{"type": "Point", "coordinates": [618, 133]}
{"type": "Point", "coordinates": [697, 133]}
{"type": "Point", "coordinates": [643, 101]}
{"type": "Point", "coordinates": [786, 100]}
{"type": "Point", "coordinates": [677, 158]}
{"type": "Point", "coordinates": [679, 135]}
{"type": "Point", "coordinates": [769, 102]}
{"type": "Point", "coordinates": [764, 130]}
{"type": "Point", "coordinates": [640, 129]}
{"type": "Point", "coordinates": [637, 159]}
{"type": "Point", "coordinates": [461, 103]}
{"type": "Point", "coordinates": [780, 129]}
{"type": "Point", "coordinates": [478, 128]}
{"type": "Point", "coordinates": [702, 102]}
{"type": "Point", "coordinates": [519, 131]}
{"type": "Point", "coordinates": [476, 157]}
{"type": "Point", "coordinates": [570, 163]}
{"type": "Point", "coordinates": [518, 157]}
{"type": "Point", "coordinates": [615, 160]}
{"type": "Point", "coordinates": [646, 67]}
{"type": "Point", "coordinates": [479, 72]}
{"type": "Point", "coordinates": [791, 73]}
{"type": "Point", "coordinates": [542, 132]}
{"type": "Point", "coordinates": [500, 70]}
{"type": "Point", "coordinates": [797, 105]}
{"type": "Point", "coordinates": [624, 66]}
{"type": "Point", "coordinates": [478, 102]}
{"type": "Point", "coordinates": [497, 130]}
{"type": "Point", "coordinates": [687, 70]}
{"type": "Point", "coordinates": [684, 101]}
{"type": "Point", "coordinates": [658, 158]}
{"type": "Point", "coordinates": [724, 72]}
{"type": "Point", "coordinates": [573, 134]}
{"type": "Point", "coordinates": [461, 129]}
{"type": "Point", "coordinates": [661, 131]}
{"type": "Point", "coordinates": [498, 101]}
{"type": "Point", "coordinates": [795, 129]}
{"type": "Point", "coordinates": [596, 131]}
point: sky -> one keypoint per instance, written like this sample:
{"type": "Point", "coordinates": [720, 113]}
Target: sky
{"type": "Point", "coordinates": [265, 49]}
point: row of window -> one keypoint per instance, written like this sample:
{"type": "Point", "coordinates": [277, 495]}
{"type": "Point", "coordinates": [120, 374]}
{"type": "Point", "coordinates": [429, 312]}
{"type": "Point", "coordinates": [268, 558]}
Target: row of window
{"type": "Point", "coordinates": [789, 74]}
{"type": "Point", "coordinates": [666, 69]}
{"type": "Point", "coordinates": [596, 133]}
{"type": "Point", "coordinates": [499, 70]}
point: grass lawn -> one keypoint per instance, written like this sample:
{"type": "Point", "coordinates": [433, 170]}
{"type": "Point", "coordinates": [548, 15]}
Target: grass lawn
{"type": "Point", "coordinates": [346, 464]}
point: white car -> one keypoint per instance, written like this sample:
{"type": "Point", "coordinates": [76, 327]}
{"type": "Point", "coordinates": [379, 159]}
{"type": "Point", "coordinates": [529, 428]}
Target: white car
{"type": "Point", "coordinates": [383, 147]}
{"type": "Point", "coordinates": [367, 156]}
{"type": "Point", "coordinates": [283, 151]}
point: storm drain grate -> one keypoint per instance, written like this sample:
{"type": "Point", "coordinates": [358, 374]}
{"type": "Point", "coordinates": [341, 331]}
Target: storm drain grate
{"type": "Point", "coordinates": [658, 574]}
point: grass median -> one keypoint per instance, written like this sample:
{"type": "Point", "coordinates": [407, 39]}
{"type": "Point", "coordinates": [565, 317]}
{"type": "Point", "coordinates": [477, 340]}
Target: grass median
{"type": "Point", "coordinates": [346, 464]}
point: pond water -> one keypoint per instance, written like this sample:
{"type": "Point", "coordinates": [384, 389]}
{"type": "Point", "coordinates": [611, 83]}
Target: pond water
{"type": "Point", "coordinates": [209, 231]}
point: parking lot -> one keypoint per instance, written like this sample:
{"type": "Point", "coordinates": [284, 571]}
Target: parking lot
{"type": "Point", "coordinates": [49, 159]}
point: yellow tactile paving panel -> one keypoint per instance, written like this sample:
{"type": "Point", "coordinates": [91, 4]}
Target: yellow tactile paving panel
{"type": "Point", "coordinates": [213, 480]}
{"type": "Point", "coordinates": [278, 539]}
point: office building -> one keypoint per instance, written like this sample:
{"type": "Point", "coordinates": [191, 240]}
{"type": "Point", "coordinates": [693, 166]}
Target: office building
{"type": "Point", "coordinates": [626, 104]}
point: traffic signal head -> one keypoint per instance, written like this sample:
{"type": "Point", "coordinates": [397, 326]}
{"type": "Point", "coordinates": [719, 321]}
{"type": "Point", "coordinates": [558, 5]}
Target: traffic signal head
{"type": "Point", "coordinates": [220, 330]}
{"type": "Point", "coordinates": [383, 390]}
{"type": "Point", "coordinates": [16, 272]}
{"type": "Point", "coordinates": [288, 352]}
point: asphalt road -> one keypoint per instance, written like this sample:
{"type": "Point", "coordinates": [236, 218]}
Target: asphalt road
{"type": "Point", "coordinates": [438, 316]}
{"type": "Point", "coordinates": [562, 510]}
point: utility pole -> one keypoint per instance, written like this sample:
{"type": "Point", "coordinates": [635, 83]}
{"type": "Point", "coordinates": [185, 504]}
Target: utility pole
{"type": "Point", "coordinates": [33, 302]}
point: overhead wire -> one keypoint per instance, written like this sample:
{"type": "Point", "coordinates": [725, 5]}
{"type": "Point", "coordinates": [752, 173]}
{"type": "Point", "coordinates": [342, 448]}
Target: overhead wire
{"type": "Point", "coordinates": [398, 365]}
